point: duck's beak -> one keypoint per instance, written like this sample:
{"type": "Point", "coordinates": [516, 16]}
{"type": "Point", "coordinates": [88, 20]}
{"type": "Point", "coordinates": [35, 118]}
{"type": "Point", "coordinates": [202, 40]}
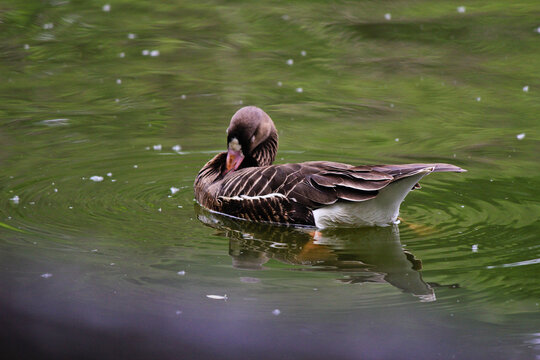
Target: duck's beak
{"type": "Point", "coordinates": [234, 159]}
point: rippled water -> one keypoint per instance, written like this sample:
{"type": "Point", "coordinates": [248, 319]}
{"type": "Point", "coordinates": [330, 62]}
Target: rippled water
{"type": "Point", "coordinates": [108, 113]}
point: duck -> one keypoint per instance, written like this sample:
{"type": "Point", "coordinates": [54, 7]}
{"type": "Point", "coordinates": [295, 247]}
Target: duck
{"type": "Point", "coordinates": [243, 182]}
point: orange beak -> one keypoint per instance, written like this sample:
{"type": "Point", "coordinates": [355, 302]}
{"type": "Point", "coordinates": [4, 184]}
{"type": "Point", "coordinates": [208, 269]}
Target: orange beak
{"type": "Point", "coordinates": [234, 159]}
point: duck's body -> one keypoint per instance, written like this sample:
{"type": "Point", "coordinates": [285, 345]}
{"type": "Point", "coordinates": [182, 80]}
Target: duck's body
{"type": "Point", "coordinates": [243, 183]}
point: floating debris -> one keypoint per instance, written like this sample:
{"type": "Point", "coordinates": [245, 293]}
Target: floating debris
{"type": "Point", "coordinates": [46, 275]}
{"type": "Point", "coordinates": [183, 97]}
{"type": "Point", "coordinates": [55, 122]}
{"type": "Point", "coordinates": [154, 53]}
{"type": "Point", "coordinates": [106, 7]}
{"type": "Point", "coordinates": [109, 174]}
{"type": "Point", "coordinates": [250, 280]}
{"type": "Point", "coordinates": [157, 147]}
{"type": "Point", "coordinates": [474, 248]}
{"type": "Point", "coordinates": [396, 139]}
{"type": "Point", "coordinates": [461, 9]}
{"type": "Point", "coordinates": [526, 88]}
{"type": "Point", "coordinates": [276, 312]}
{"type": "Point", "coordinates": [122, 55]}
{"type": "Point", "coordinates": [217, 297]}
{"type": "Point", "coordinates": [26, 46]}
{"type": "Point", "coordinates": [178, 312]}
{"type": "Point", "coordinates": [181, 273]}
{"type": "Point", "coordinates": [520, 136]}
{"type": "Point", "coordinates": [303, 53]}
{"type": "Point", "coordinates": [177, 148]}
{"type": "Point", "coordinates": [55, 190]}
{"type": "Point", "coordinates": [290, 62]}
{"type": "Point", "coordinates": [119, 81]}
{"type": "Point", "coordinates": [479, 99]}
{"type": "Point", "coordinates": [48, 26]}
{"type": "Point", "coordinates": [96, 178]}
{"type": "Point", "coordinates": [388, 16]}
{"type": "Point", "coordinates": [112, 264]}
{"type": "Point", "coordinates": [174, 190]}
{"type": "Point", "coordinates": [299, 90]}
{"type": "Point", "coordinates": [279, 83]}
{"type": "Point", "coordinates": [131, 36]}
{"type": "Point", "coordinates": [145, 52]}
{"type": "Point", "coordinates": [135, 166]}
{"type": "Point", "coordinates": [15, 199]}
{"type": "Point", "coordinates": [159, 209]}
{"type": "Point", "coordinates": [285, 17]}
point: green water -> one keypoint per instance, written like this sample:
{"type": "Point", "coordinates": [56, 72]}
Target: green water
{"type": "Point", "coordinates": [121, 267]}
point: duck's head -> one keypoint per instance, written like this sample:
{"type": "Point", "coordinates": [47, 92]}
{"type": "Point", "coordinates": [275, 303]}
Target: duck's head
{"type": "Point", "coordinates": [251, 139]}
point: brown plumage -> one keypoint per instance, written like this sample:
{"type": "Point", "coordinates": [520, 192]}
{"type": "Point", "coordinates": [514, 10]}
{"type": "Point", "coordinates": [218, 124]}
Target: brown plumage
{"type": "Point", "coordinates": [243, 182]}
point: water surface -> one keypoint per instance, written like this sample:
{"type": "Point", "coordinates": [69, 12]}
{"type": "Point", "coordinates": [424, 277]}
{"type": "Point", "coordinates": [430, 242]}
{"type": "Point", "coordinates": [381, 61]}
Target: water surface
{"type": "Point", "coordinates": [108, 113]}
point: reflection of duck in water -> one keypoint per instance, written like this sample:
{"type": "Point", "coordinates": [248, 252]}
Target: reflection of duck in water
{"type": "Point", "coordinates": [364, 255]}
{"type": "Point", "coordinates": [242, 182]}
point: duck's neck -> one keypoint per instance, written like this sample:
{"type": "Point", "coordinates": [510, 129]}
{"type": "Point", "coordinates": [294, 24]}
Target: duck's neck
{"type": "Point", "coordinates": [265, 153]}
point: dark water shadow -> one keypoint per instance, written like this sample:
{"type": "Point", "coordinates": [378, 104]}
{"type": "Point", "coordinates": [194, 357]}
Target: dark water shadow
{"type": "Point", "coordinates": [360, 255]}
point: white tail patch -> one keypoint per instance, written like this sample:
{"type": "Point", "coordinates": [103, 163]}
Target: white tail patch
{"type": "Point", "coordinates": [381, 211]}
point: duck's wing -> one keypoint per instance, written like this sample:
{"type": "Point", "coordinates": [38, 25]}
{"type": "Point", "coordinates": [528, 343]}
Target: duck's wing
{"type": "Point", "coordinates": [288, 193]}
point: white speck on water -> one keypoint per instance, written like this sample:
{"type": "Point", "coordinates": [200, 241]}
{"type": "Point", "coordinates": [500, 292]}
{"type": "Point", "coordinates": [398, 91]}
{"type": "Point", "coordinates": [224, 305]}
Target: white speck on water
{"type": "Point", "coordinates": [276, 312]}
{"type": "Point", "coordinates": [106, 7]}
{"type": "Point", "coordinates": [117, 100]}
{"type": "Point", "coordinates": [119, 81]}
{"type": "Point", "coordinates": [55, 190]}
{"type": "Point", "coordinates": [299, 90]}
{"type": "Point", "coordinates": [461, 9]}
{"type": "Point", "coordinates": [145, 52]}
{"type": "Point", "coordinates": [94, 250]}
{"type": "Point", "coordinates": [396, 139]}
{"type": "Point", "coordinates": [174, 190]}
{"type": "Point", "coordinates": [183, 97]}
{"type": "Point", "coordinates": [154, 53]}
{"type": "Point", "coordinates": [180, 206]}
{"type": "Point", "coordinates": [315, 289]}
{"type": "Point", "coordinates": [135, 166]}
{"type": "Point", "coordinates": [159, 209]}
{"type": "Point", "coordinates": [290, 62]}
{"type": "Point", "coordinates": [537, 29]}
{"type": "Point", "coordinates": [96, 178]}
{"type": "Point", "coordinates": [157, 147]}
{"type": "Point", "coordinates": [177, 148]}
{"type": "Point", "coordinates": [474, 248]}
{"type": "Point", "coordinates": [520, 136]}
{"type": "Point", "coordinates": [112, 264]}
{"type": "Point", "coordinates": [178, 312]}
{"type": "Point", "coordinates": [526, 88]}
{"type": "Point", "coordinates": [26, 46]}
{"type": "Point", "coordinates": [15, 199]}
{"type": "Point", "coordinates": [392, 106]}
{"type": "Point", "coordinates": [181, 273]}
{"type": "Point", "coordinates": [462, 206]}
{"type": "Point", "coordinates": [70, 207]}
{"type": "Point", "coordinates": [32, 203]}
{"type": "Point", "coordinates": [388, 16]}
{"type": "Point", "coordinates": [109, 174]}
{"type": "Point", "coordinates": [479, 99]}
{"type": "Point", "coordinates": [131, 36]}
{"type": "Point", "coordinates": [285, 17]}
{"type": "Point", "coordinates": [122, 55]}
{"type": "Point", "coordinates": [279, 83]}
{"type": "Point", "coordinates": [46, 275]}
{"type": "Point", "coordinates": [250, 280]}
{"type": "Point", "coordinates": [48, 26]}
{"type": "Point", "coordinates": [217, 297]}
{"type": "Point", "coordinates": [490, 180]}
{"type": "Point", "coordinates": [454, 155]}
{"type": "Point", "coordinates": [303, 53]}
